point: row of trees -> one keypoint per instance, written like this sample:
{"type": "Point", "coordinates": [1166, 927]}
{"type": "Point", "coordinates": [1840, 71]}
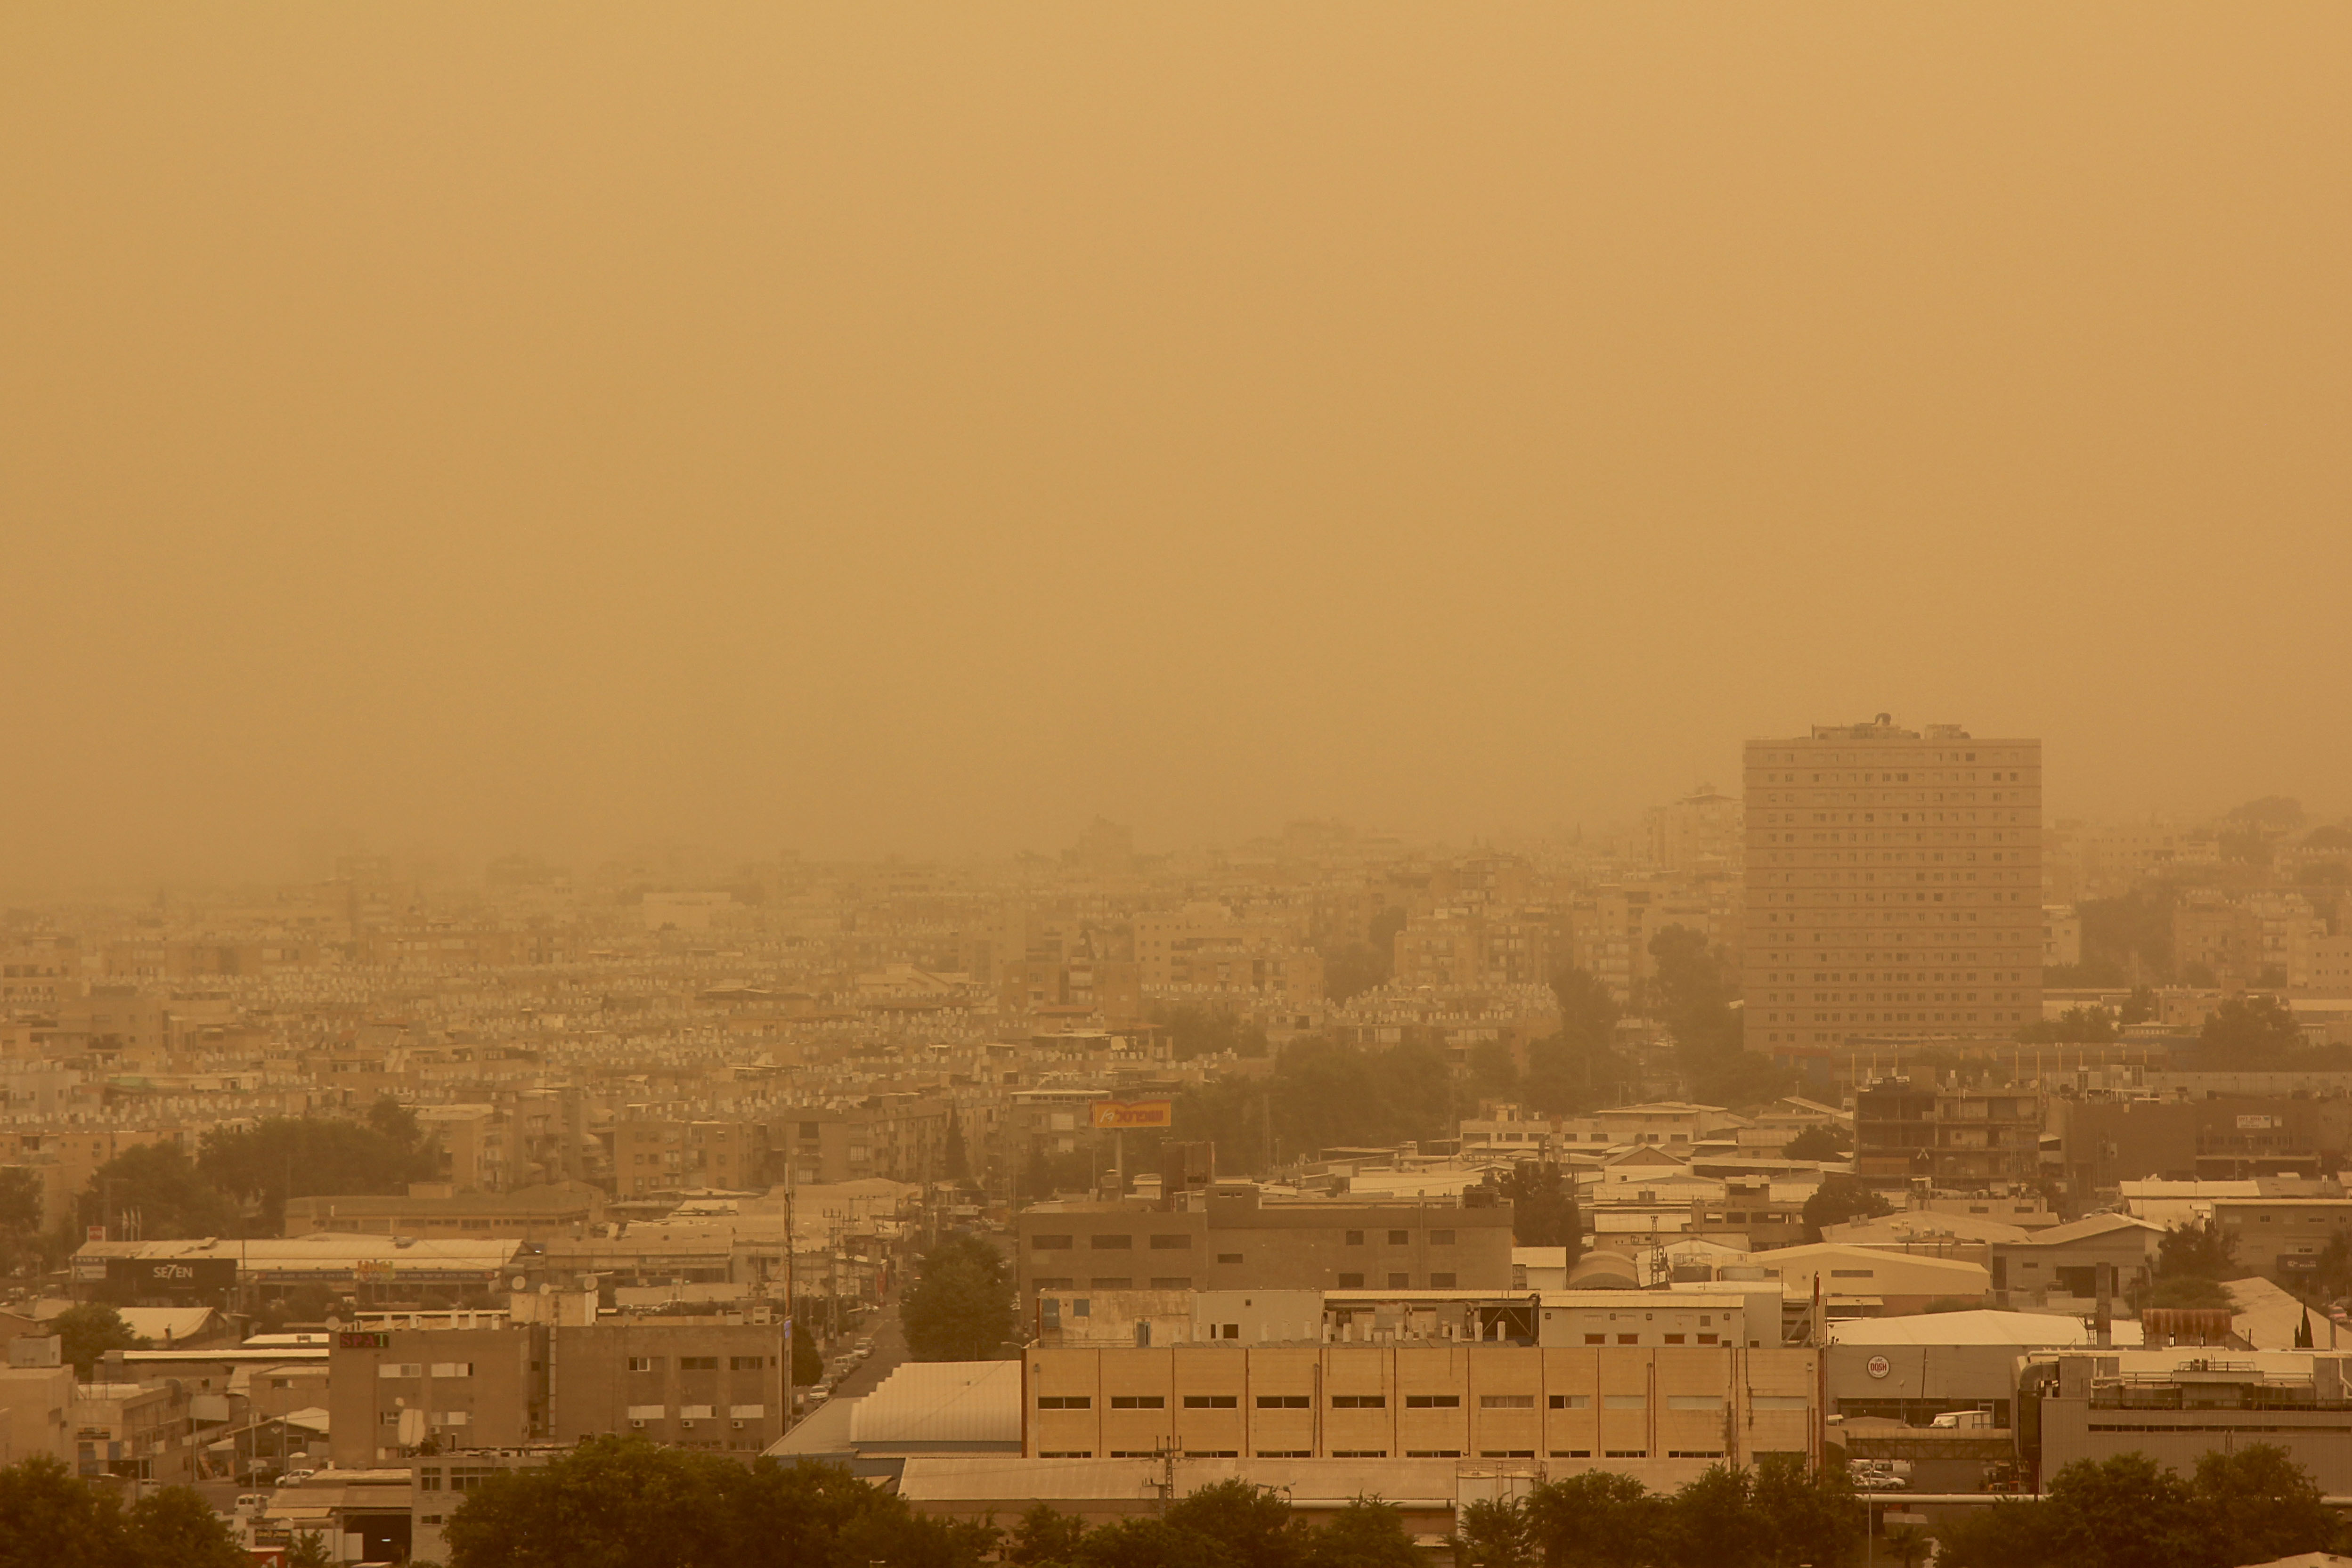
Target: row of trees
{"type": "Point", "coordinates": [962, 1304]}
{"type": "Point", "coordinates": [49, 1517]}
{"type": "Point", "coordinates": [2255, 1505]}
{"type": "Point", "coordinates": [239, 1181]}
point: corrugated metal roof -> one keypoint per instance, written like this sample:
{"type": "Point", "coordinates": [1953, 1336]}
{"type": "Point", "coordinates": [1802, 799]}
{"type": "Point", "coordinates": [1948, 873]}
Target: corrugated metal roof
{"type": "Point", "coordinates": [1985, 1327]}
{"type": "Point", "coordinates": [824, 1430]}
{"type": "Point", "coordinates": [942, 1402]}
{"type": "Point", "coordinates": [985, 1477]}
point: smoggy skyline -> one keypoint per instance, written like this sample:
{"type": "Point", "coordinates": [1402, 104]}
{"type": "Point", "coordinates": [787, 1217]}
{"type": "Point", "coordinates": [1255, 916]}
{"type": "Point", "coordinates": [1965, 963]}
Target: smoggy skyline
{"type": "Point", "coordinates": [861, 432]}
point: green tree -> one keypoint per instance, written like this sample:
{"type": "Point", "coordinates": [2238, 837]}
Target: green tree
{"type": "Point", "coordinates": [1598, 1519]}
{"type": "Point", "coordinates": [89, 1332]}
{"type": "Point", "coordinates": [1497, 1532]}
{"type": "Point", "coordinates": [1817, 1143]}
{"type": "Point", "coordinates": [2124, 1512]}
{"type": "Point", "coordinates": [961, 1305]}
{"type": "Point", "coordinates": [1714, 1518]}
{"type": "Point", "coordinates": [159, 1189]}
{"type": "Point", "coordinates": [2140, 1006]}
{"type": "Point", "coordinates": [2198, 1249]}
{"type": "Point", "coordinates": [808, 1363]}
{"type": "Point", "coordinates": [176, 1528]}
{"type": "Point", "coordinates": [304, 1156]}
{"type": "Point", "coordinates": [20, 1218]}
{"type": "Point", "coordinates": [2246, 1031]}
{"type": "Point", "coordinates": [1147, 1542]}
{"type": "Point", "coordinates": [310, 1550]}
{"type": "Point", "coordinates": [1493, 1074]}
{"type": "Point", "coordinates": [2257, 1505]}
{"type": "Point", "coordinates": [1909, 1545]}
{"type": "Point", "coordinates": [1806, 1516]}
{"type": "Point", "coordinates": [2188, 1291]}
{"type": "Point", "coordinates": [1367, 1533]}
{"type": "Point", "coordinates": [1046, 1538]}
{"type": "Point", "coordinates": [612, 1502]}
{"type": "Point", "coordinates": [1543, 1208]}
{"type": "Point", "coordinates": [1250, 1524]}
{"type": "Point", "coordinates": [2009, 1535]}
{"type": "Point", "coordinates": [48, 1518]}
{"type": "Point", "coordinates": [1838, 1200]}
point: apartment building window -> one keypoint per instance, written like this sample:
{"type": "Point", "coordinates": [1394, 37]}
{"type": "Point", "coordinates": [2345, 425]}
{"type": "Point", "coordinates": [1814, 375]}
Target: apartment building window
{"type": "Point", "coordinates": [1212, 1402]}
{"type": "Point", "coordinates": [1066, 1453]}
{"type": "Point", "coordinates": [453, 1369]}
{"type": "Point", "coordinates": [1286, 1453]}
{"type": "Point", "coordinates": [697, 1364]}
{"type": "Point", "coordinates": [400, 1369]}
{"type": "Point", "coordinates": [1433, 1401]}
{"type": "Point", "coordinates": [1507, 1402]}
{"type": "Point", "coordinates": [1111, 1243]}
{"type": "Point", "coordinates": [1283, 1402]}
{"type": "Point", "coordinates": [1212, 1453]}
{"type": "Point", "coordinates": [645, 1363]}
{"type": "Point", "coordinates": [1229, 1257]}
{"type": "Point", "coordinates": [1400, 1237]}
{"type": "Point", "coordinates": [1626, 1453]}
{"type": "Point", "coordinates": [1139, 1402]}
{"type": "Point", "coordinates": [748, 1363]}
{"type": "Point", "coordinates": [1596, 1339]}
{"type": "Point", "coordinates": [1170, 1243]}
{"type": "Point", "coordinates": [1066, 1402]}
{"type": "Point", "coordinates": [1050, 1243]}
{"type": "Point", "coordinates": [1506, 1453]}
{"type": "Point", "coordinates": [1352, 1281]}
{"type": "Point", "coordinates": [1571, 1453]}
{"type": "Point", "coordinates": [1572, 1402]}
{"type": "Point", "coordinates": [1433, 1453]}
{"type": "Point", "coordinates": [1360, 1453]}
{"type": "Point", "coordinates": [1359, 1401]}
{"type": "Point", "coordinates": [1629, 1339]}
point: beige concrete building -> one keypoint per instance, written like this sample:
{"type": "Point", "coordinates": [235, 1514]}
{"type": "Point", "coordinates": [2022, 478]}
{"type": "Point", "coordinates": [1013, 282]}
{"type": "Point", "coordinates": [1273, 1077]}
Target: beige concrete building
{"type": "Point", "coordinates": [1464, 1401]}
{"type": "Point", "coordinates": [1894, 887]}
{"type": "Point", "coordinates": [697, 1383]}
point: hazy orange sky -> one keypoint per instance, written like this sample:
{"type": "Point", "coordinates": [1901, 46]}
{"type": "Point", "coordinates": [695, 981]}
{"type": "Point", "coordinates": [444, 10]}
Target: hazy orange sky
{"type": "Point", "coordinates": [858, 428]}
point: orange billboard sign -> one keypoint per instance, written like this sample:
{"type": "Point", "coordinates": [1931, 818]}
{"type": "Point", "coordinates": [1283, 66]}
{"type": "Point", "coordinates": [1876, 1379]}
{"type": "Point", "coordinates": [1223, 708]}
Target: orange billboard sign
{"type": "Point", "coordinates": [1134, 1113]}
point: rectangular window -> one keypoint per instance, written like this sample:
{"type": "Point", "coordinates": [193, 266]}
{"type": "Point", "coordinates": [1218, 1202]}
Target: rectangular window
{"type": "Point", "coordinates": [428, 1480]}
{"type": "Point", "coordinates": [1571, 1453]}
{"type": "Point", "coordinates": [1352, 1281]}
{"type": "Point", "coordinates": [697, 1364]}
{"type": "Point", "coordinates": [1171, 1243]}
{"type": "Point", "coordinates": [1066, 1402]}
{"type": "Point", "coordinates": [1355, 1239]}
{"type": "Point", "coordinates": [1433, 1401]}
{"type": "Point", "coordinates": [1210, 1402]}
{"type": "Point", "coordinates": [1050, 1243]}
{"type": "Point", "coordinates": [1433, 1453]}
{"type": "Point", "coordinates": [1629, 1339]}
{"type": "Point", "coordinates": [1066, 1453]}
{"type": "Point", "coordinates": [1286, 1453]}
{"type": "Point", "coordinates": [1281, 1402]}
{"type": "Point", "coordinates": [400, 1369]}
{"type": "Point", "coordinates": [1400, 1281]}
{"type": "Point", "coordinates": [1111, 1243]}
{"type": "Point", "coordinates": [1139, 1402]}
{"type": "Point", "coordinates": [1572, 1401]}
{"type": "Point", "coordinates": [743, 1364]}
{"type": "Point", "coordinates": [1440, 1281]}
{"type": "Point", "coordinates": [1229, 1257]}
{"type": "Point", "coordinates": [1359, 1401]}
{"type": "Point", "coordinates": [1627, 1453]}
{"type": "Point", "coordinates": [1596, 1339]}
{"type": "Point", "coordinates": [1440, 1239]}
{"type": "Point", "coordinates": [1676, 1339]}
{"type": "Point", "coordinates": [1507, 1402]}
{"type": "Point", "coordinates": [645, 1363]}
{"type": "Point", "coordinates": [1398, 1237]}
{"type": "Point", "coordinates": [1506, 1453]}
{"type": "Point", "coordinates": [1360, 1453]}
{"type": "Point", "coordinates": [453, 1369]}
{"type": "Point", "coordinates": [1854, 1273]}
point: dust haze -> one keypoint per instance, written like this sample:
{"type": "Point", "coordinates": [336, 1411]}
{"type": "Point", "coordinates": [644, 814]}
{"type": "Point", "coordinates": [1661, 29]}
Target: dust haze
{"type": "Point", "coordinates": [865, 428]}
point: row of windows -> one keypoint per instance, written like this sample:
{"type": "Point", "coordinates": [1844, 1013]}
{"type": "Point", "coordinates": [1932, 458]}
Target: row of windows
{"type": "Point", "coordinates": [700, 1362]}
{"type": "Point", "coordinates": [1121, 1243]}
{"type": "Point", "coordinates": [1414, 1402]}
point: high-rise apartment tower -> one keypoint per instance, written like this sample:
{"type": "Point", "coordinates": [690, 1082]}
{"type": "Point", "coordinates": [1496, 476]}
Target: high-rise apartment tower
{"type": "Point", "coordinates": [1893, 888]}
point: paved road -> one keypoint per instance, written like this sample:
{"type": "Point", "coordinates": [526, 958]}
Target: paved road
{"type": "Point", "coordinates": [889, 1350]}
